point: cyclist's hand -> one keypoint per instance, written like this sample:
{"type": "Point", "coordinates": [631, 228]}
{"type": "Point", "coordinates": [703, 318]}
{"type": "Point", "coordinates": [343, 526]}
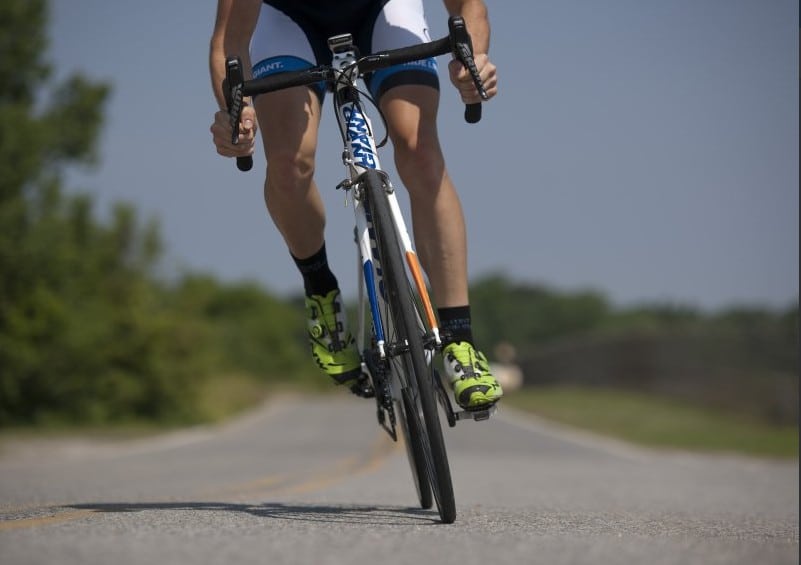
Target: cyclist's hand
{"type": "Point", "coordinates": [461, 79]}
{"type": "Point", "coordinates": [221, 132]}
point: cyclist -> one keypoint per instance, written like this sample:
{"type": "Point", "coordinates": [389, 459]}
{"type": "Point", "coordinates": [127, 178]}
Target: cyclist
{"type": "Point", "coordinates": [278, 35]}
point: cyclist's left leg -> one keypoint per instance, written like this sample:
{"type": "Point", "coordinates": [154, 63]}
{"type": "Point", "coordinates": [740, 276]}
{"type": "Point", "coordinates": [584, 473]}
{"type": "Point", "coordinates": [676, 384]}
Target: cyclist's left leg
{"type": "Point", "coordinates": [437, 217]}
{"type": "Point", "coordinates": [409, 97]}
{"type": "Point", "coordinates": [440, 236]}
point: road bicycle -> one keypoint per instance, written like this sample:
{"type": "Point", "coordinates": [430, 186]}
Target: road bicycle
{"type": "Point", "coordinates": [397, 332]}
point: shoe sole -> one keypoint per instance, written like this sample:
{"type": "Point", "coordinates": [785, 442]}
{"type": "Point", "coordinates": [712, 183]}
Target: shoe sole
{"type": "Point", "coordinates": [481, 403]}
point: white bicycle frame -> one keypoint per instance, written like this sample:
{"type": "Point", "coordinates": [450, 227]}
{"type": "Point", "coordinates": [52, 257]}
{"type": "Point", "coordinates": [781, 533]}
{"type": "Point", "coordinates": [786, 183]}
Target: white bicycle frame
{"type": "Point", "coordinates": [359, 155]}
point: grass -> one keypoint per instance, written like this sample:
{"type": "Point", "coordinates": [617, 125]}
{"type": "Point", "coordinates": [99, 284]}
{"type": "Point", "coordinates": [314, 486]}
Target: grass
{"type": "Point", "coordinates": [657, 421]}
{"type": "Point", "coordinates": [223, 396]}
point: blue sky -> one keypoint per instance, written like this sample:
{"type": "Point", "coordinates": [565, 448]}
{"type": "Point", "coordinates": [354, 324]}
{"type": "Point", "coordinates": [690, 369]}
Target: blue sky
{"type": "Point", "coordinates": [646, 150]}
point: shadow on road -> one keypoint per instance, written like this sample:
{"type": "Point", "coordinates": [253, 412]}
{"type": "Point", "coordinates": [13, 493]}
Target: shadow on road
{"type": "Point", "coordinates": [336, 513]}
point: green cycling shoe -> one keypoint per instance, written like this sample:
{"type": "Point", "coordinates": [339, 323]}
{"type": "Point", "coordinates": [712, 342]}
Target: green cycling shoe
{"type": "Point", "coordinates": [333, 346]}
{"type": "Point", "coordinates": [468, 370]}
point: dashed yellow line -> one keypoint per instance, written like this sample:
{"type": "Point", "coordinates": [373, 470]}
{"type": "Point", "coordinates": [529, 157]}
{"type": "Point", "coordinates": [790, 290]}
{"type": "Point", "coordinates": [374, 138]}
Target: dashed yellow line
{"type": "Point", "coordinates": [341, 470]}
{"type": "Point", "coordinates": [257, 485]}
{"type": "Point", "coordinates": [44, 520]}
{"type": "Point", "coordinates": [270, 485]}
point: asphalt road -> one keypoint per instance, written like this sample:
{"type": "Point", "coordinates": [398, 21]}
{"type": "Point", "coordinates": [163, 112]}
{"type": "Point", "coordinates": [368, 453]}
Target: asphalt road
{"type": "Point", "coordinates": [315, 481]}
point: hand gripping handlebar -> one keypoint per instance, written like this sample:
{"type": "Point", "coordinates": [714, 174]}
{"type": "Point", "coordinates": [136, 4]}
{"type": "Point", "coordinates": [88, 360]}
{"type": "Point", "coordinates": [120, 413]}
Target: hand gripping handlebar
{"type": "Point", "coordinates": [232, 89]}
{"type": "Point", "coordinates": [462, 47]}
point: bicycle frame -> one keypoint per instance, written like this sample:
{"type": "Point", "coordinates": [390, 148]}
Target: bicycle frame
{"type": "Point", "coordinates": [360, 154]}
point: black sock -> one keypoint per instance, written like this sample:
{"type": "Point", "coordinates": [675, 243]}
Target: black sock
{"type": "Point", "coordinates": [454, 324]}
{"type": "Point", "coordinates": [317, 276]}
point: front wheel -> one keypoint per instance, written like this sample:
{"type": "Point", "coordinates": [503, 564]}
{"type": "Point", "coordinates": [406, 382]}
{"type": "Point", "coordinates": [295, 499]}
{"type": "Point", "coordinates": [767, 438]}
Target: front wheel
{"type": "Point", "coordinates": [409, 362]}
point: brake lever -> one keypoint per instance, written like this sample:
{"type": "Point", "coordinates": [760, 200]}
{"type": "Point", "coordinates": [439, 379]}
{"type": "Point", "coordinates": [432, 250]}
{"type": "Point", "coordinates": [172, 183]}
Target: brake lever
{"type": "Point", "coordinates": [462, 47]}
{"type": "Point", "coordinates": [232, 90]}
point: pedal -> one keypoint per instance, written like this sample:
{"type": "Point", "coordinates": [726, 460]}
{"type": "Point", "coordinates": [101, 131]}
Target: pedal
{"type": "Point", "coordinates": [363, 389]}
{"type": "Point", "coordinates": [479, 414]}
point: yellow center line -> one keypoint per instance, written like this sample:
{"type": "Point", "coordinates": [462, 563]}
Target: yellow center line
{"type": "Point", "coordinates": [342, 470]}
{"type": "Point", "coordinates": [256, 485]}
{"type": "Point", "coordinates": [270, 485]}
{"type": "Point", "coordinates": [43, 521]}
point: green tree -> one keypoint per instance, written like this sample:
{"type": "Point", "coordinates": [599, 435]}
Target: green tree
{"type": "Point", "coordinates": [523, 314]}
{"type": "Point", "coordinates": [83, 336]}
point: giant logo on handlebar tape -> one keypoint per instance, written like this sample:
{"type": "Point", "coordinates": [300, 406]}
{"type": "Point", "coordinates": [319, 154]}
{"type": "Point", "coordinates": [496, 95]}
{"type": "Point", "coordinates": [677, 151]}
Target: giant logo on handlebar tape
{"type": "Point", "coordinates": [359, 136]}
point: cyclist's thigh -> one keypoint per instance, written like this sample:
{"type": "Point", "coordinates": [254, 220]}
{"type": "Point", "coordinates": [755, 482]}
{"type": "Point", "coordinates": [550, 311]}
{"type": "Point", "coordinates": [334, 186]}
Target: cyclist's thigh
{"type": "Point", "coordinates": [288, 119]}
{"type": "Point", "coordinates": [399, 24]}
{"type": "Point", "coordinates": [411, 113]}
{"type": "Point", "coordinates": [285, 40]}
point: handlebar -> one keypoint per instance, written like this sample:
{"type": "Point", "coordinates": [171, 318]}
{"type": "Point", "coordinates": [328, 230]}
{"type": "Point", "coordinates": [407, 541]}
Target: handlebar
{"type": "Point", "coordinates": [457, 42]}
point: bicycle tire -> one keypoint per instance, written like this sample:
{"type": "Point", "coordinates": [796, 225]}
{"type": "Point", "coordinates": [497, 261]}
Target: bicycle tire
{"type": "Point", "coordinates": [414, 453]}
{"type": "Point", "coordinates": [420, 388]}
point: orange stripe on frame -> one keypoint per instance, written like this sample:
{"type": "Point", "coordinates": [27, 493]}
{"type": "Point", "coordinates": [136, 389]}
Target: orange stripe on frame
{"type": "Point", "coordinates": [417, 274]}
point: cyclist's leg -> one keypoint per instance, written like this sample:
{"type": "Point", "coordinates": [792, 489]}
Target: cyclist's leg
{"type": "Point", "coordinates": [409, 96]}
{"type": "Point", "coordinates": [439, 230]}
{"type": "Point", "coordinates": [289, 122]}
{"type": "Point", "coordinates": [409, 100]}
{"type": "Point", "coordinates": [437, 217]}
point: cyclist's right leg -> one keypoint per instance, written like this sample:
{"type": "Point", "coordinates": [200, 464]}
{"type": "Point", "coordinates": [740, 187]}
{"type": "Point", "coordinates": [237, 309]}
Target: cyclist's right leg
{"type": "Point", "coordinates": [289, 122]}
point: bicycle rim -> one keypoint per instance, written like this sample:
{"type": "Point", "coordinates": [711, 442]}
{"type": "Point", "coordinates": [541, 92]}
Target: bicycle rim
{"type": "Point", "coordinates": [418, 384]}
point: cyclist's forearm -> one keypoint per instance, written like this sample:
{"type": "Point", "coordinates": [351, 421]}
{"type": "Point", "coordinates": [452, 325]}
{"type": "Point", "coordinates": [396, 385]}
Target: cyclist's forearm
{"type": "Point", "coordinates": [217, 58]}
{"type": "Point", "coordinates": [233, 27]}
{"type": "Point", "coordinates": [217, 72]}
{"type": "Point", "coordinates": [476, 18]}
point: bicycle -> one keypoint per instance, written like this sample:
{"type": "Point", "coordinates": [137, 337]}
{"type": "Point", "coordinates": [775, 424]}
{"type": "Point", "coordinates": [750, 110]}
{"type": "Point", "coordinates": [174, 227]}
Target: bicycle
{"type": "Point", "coordinates": [393, 302]}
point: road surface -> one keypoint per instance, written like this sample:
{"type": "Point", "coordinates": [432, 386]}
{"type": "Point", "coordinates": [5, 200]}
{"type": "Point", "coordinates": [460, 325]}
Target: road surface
{"type": "Point", "coordinates": [315, 481]}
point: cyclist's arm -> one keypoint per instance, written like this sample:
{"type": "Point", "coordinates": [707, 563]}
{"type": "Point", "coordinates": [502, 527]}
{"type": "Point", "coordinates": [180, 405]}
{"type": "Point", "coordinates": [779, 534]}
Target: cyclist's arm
{"type": "Point", "coordinates": [476, 18]}
{"type": "Point", "coordinates": [233, 27]}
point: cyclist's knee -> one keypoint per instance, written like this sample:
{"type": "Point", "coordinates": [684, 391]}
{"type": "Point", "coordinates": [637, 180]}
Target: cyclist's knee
{"type": "Point", "coordinates": [419, 161]}
{"type": "Point", "coordinates": [289, 170]}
